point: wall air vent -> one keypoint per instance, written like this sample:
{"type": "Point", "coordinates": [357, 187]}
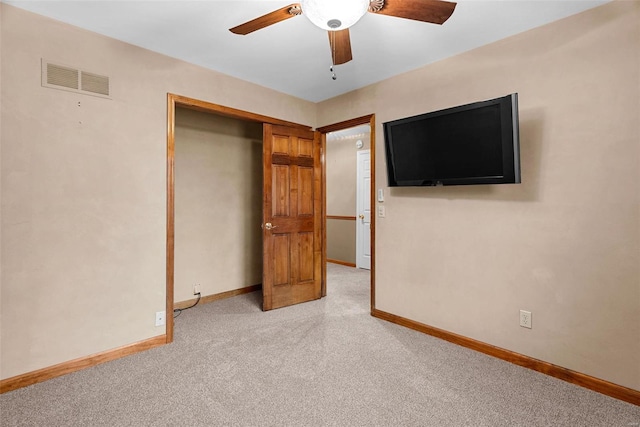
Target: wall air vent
{"type": "Point", "coordinates": [73, 79]}
{"type": "Point", "coordinates": [62, 76]}
{"type": "Point", "coordinates": [94, 83]}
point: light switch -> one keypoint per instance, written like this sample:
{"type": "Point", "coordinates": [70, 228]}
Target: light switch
{"type": "Point", "coordinates": [380, 195]}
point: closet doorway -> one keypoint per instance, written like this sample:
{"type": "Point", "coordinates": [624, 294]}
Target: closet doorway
{"type": "Point", "coordinates": [218, 205]}
{"type": "Point", "coordinates": [303, 163]}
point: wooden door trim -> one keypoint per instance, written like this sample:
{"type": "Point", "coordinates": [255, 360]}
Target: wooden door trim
{"type": "Point", "coordinates": [171, 144]}
{"type": "Point", "coordinates": [369, 119]}
{"type": "Point", "coordinates": [174, 101]}
{"type": "Point", "coordinates": [208, 107]}
{"type": "Point", "coordinates": [342, 217]}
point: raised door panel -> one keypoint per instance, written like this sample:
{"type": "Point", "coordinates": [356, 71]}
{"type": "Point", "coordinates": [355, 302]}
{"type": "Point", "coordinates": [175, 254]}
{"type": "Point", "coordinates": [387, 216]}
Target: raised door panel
{"type": "Point", "coordinates": [305, 191]}
{"type": "Point", "coordinates": [281, 250]}
{"type": "Point", "coordinates": [281, 189]}
{"type": "Point", "coordinates": [305, 267]}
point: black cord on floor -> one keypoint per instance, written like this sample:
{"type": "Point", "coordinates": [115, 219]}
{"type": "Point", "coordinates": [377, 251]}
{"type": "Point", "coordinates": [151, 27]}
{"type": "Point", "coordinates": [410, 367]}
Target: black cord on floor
{"type": "Point", "coordinates": [179, 310]}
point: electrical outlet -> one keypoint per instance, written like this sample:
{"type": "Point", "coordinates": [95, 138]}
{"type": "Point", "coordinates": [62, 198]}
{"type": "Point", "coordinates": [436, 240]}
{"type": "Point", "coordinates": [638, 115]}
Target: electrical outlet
{"type": "Point", "coordinates": [382, 212]}
{"type": "Point", "coordinates": [196, 289]}
{"type": "Point", "coordinates": [160, 315]}
{"type": "Point", "coordinates": [525, 319]}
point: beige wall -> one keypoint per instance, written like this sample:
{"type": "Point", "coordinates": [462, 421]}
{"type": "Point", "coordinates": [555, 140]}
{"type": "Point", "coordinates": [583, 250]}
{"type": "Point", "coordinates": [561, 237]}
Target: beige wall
{"type": "Point", "coordinates": [218, 203]}
{"type": "Point", "coordinates": [341, 240]}
{"type": "Point", "coordinates": [564, 244]}
{"type": "Point", "coordinates": [341, 161]}
{"type": "Point", "coordinates": [341, 178]}
{"type": "Point", "coordinates": [84, 188]}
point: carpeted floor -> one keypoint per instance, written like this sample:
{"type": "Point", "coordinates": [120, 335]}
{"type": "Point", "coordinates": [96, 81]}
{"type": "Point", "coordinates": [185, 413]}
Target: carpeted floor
{"type": "Point", "coordinates": [323, 363]}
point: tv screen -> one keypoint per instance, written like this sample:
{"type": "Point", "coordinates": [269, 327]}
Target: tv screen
{"type": "Point", "coordinates": [476, 143]}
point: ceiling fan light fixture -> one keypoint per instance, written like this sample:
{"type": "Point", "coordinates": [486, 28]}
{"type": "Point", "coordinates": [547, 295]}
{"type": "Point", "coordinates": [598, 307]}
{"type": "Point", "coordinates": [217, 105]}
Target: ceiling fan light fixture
{"type": "Point", "coordinates": [333, 15]}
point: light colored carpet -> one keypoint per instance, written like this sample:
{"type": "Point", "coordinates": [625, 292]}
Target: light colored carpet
{"type": "Point", "coordinates": [323, 363]}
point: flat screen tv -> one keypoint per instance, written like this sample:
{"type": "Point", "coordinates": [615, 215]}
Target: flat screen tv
{"type": "Point", "coordinates": [476, 143]}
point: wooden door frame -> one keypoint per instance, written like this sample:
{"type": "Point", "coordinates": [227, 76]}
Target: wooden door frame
{"type": "Point", "coordinates": [174, 101]}
{"type": "Point", "coordinates": [369, 119]}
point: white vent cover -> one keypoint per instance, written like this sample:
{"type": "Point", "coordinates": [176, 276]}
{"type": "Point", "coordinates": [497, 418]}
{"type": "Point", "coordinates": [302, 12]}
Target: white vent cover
{"type": "Point", "coordinates": [75, 80]}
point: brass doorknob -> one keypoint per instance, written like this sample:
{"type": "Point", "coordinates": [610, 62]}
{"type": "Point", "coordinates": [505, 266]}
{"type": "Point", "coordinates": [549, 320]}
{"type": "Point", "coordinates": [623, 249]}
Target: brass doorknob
{"type": "Point", "coordinates": [361, 216]}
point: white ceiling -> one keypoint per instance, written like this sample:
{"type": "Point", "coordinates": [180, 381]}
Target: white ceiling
{"type": "Point", "coordinates": [293, 56]}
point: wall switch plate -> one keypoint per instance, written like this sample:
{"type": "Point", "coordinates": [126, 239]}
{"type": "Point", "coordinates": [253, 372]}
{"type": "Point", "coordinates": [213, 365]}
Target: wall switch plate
{"type": "Point", "coordinates": [525, 319]}
{"type": "Point", "coordinates": [160, 315]}
{"type": "Point", "coordinates": [380, 195]}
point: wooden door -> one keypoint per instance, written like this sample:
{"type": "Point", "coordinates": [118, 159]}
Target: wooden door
{"type": "Point", "coordinates": [292, 216]}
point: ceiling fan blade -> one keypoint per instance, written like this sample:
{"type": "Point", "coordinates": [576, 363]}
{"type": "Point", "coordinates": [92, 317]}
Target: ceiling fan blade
{"type": "Point", "coordinates": [340, 46]}
{"type": "Point", "coordinates": [433, 11]}
{"type": "Point", "coordinates": [268, 19]}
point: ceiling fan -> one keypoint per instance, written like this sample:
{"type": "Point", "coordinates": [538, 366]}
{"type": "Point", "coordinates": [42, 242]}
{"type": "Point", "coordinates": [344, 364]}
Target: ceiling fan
{"type": "Point", "coordinates": [336, 16]}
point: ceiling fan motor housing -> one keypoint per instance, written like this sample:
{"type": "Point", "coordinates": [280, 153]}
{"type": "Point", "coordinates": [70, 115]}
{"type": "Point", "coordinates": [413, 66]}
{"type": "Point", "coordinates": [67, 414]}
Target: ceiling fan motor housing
{"type": "Point", "coordinates": [334, 15]}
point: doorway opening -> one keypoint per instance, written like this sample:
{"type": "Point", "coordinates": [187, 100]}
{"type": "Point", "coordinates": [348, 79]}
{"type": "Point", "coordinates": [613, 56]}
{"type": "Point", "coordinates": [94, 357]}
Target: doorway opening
{"type": "Point", "coordinates": [348, 204]}
{"type": "Point", "coordinates": [218, 207]}
{"type": "Point", "coordinates": [174, 102]}
{"type": "Point", "coordinates": [348, 219]}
